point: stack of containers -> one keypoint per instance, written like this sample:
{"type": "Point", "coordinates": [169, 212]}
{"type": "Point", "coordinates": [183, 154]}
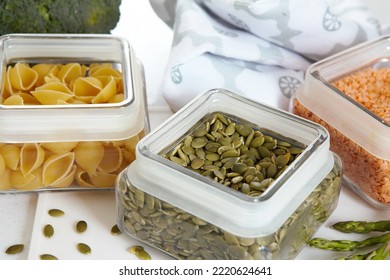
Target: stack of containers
{"type": "Point", "coordinates": [229, 178]}
{"type": "Point", "coordinates": [349, 93]}
{"type": "Point", "coordinates": [72, 109]}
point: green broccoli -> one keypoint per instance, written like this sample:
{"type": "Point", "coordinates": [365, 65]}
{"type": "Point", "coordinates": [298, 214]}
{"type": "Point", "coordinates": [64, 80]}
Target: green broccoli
{"type": "Point", "coordinates": [58, 16]}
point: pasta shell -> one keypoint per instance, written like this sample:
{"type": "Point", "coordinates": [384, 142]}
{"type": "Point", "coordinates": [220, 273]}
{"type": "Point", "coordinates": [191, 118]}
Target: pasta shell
{"type": "Point", "coordinates": [7, 84]}
{"type": "Point", "coordinates": [106, 93]}
{"type": "Point", "coordinates": [56, 168]}
{"type": "Point", "coordinates": [132, 142]}
{"type": "Point", "coordinates": [14, 100]}
{"type": "Point", "coordinates": [67, 180]}
{"type": "Point", "coordinates": [44, 69]}
{"type": "Point", "coordinates": [19, 181]}
{"type": "Point", "coordinates": [51, 78]}
{"type": "Point", "coordinates": [105, 70]}
{"type": "Point", "coordinates": [31, 157]}
{"type": "Point", "coordinates": [117, 98]}
{"type": "Point", "coordinates": [87, 86]}
{"type": "Point", "coordinates": [111, 160]}
{"type": "Point", "coordinates": [128, 155]}
{"type": "Point", "coordinates": [70, 72]}
{"type": "Point", "coordinates": [51, 93]}
{"type": "Point", "coordinates": [5, 179]}
{"type": "Point", "coordinates": [35, 183]}
{"type": "Point", "coordinates": [59, 147]}
{"type": "Point", "coordinates": [2, 165]}
{"type": "Point", "coordinates": [22, 77]}
{"type": "Point", "coordinates": [88, 155]}
{"type": "Point", "coordinates": [103, 180]}
{"type": "Point", "coordinates": [11, 156]}
{"type": "Point", "coordinates": [82, 178]}
{"type": "Point", "coordinates": [28, 99]}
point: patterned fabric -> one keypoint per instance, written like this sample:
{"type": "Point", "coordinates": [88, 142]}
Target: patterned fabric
{"type": "Point", "coordinates": [259, 49]}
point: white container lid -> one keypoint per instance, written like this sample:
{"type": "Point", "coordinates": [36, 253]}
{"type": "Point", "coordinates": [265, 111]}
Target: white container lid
{"type": "Point", "coordinates": [224, 207]}
{"type": "Point", "coordinates": [81, 122]}
{"type": "Point", "coordinates": [337, 109]}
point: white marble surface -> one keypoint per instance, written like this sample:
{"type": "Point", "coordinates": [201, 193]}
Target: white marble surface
{"type": "Point", "coordinates": [21, 216]}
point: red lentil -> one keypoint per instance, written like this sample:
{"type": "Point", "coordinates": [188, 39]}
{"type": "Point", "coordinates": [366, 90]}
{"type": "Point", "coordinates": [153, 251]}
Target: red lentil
{"type": "Point", "coordinates": [371, 89]}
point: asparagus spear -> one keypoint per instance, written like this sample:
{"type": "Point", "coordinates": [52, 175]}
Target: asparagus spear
{"type": "Point", "coordinates": [348, 245]}
{"type": "Point", "coordinates": [362, 226]}
{"type": "Point", "coordinates": [381, 253]}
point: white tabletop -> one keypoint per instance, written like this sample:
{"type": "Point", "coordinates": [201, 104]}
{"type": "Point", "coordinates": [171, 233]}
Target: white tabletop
{"type": "Point", "coordinates": [22, 216]}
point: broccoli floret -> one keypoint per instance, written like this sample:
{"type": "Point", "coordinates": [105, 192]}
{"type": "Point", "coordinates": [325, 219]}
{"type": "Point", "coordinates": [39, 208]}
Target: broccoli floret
{"type": "Point", "coordinates": [58, 16]}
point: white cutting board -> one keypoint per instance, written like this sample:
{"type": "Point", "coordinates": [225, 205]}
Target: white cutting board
{"type": "Point", "coordinates": [98, 209]}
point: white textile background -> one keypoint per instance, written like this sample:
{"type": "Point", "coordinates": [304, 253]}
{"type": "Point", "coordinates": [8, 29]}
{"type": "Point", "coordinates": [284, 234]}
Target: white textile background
{"type": "Point", "coordinates": [257, 48]}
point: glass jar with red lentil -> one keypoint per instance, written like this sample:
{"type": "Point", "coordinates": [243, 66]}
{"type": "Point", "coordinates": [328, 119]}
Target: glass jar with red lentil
{"type": "Point", "coordinates": [349, 94]}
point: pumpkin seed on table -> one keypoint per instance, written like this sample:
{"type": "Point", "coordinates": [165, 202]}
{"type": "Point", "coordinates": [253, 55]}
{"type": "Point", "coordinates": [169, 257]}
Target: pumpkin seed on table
{"type": "Point", "coordinates": [14, 249]}
{"type": "Point", "coordinates": [115, 230]}
{"type": "Point", "coordinates": [81, 226]}
{"type": "Point", "coordinates": [48, 231]}
{"type": "Point", "coordinates": [140, 252]}
{"type": "Point", "coordinates": [84, 248]}
{"type": "Point", "coordinates": [48, 257]}
{"type": "Point", "coordinates": [56, 212]}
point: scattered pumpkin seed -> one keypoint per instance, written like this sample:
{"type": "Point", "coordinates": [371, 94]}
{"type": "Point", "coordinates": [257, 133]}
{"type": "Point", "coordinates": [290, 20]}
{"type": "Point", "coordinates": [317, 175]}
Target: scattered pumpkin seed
{"type": "Point", "coordinates": [56, 212]}
{"type": "Point", "coordinates": [48, 231]}
{"type": "Point", "coordinates": [48, 257]}
{"type": "Point", "coordinates": [140, 252]}
{"type": "Point", "coordinates": [81, 226]}
{"type": "Point", "coordinates": [84, 248]}
{"type": "Point", "coordinates": [115, 230]}
{"type": "Point", "coordinates": [14, 249]}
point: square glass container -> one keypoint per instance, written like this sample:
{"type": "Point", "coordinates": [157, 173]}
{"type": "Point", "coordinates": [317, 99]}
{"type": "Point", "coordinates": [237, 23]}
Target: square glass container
{"type": "Point", "coordinates": [221, 199]}
{"type": "Point", "coordinates": [72, 109]}
{"type": "Point", "coordinates": [349, 94]}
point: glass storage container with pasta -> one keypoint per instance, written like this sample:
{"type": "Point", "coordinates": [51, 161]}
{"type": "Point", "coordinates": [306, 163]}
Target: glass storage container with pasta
{"type": "Point", "coordinates": [349, 93]}
{"type": "Point", "coordinates": [228, 178]}
{"type": "Point", "coordinates": [72, 109]}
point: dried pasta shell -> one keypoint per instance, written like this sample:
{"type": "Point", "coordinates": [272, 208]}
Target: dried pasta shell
{"type": "Point", "coordinates": [103, 180]}
{"type": "Point", "coordinates": [51, 78]}
{"type": "Point", "coordinates": [2, 165]}
{"type": "Point", "coordinates": [35, 183]}
{"type": "Point", "coordinates": [49, 94]}
{"type": "Point", "coordinates": [106, 93]}
{"type": "Point", "coordinates": [22, 77]}
{"type": "Point", "coordinates": [111, 160]}
{"type": "Point", "coordinates": [70, 72]}
{"type": "Point", "coordinates": [59, 147]}
{"type": "Point", "coordinates": [31, 157]}
{"type": "Point", "coordinates": [82, 178]}
{"type": "Point", "coordinates": [128, 155]}
{"type": "Point", "coordinates": [132, 142]}
{"type": "Point", "coordinates": [67, 180]}
{"type": "Point", "coordinates": [19, 181]}
{"type": "Point", "coordinates": [7, 84]}
{"type": "Point", "coordinates": [88, 155]}
{"type": "Point", "coordinates": [117, 98]}
{"type": "Point", "coordinates": [11, 156]}
{"type": "Point", "coordinates": [87, 86]}
{"type": "Point", "coordinates": [57, 167]}
{"type": "Point", "coordinates": [5, 179]}
{"type": "Point", "coordinates": [85, 99]}
{"type": "Point", "coordinates": [43, 70]}
{"type": "Point", "coordinates": [28, 99]}
{"type": "Point", "coordinates": [104, 70]}
{"type": "Point", "coordinates": [14, 100]}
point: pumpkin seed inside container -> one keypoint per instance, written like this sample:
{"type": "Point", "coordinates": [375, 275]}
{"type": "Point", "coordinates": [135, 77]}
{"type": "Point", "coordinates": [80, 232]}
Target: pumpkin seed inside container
{"type": "Point", "coordinates": [348, 93]}
{"type": "Point", "coordinates": [229, 178]}
{"type": "Point", "coordinates": [72, 109]}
